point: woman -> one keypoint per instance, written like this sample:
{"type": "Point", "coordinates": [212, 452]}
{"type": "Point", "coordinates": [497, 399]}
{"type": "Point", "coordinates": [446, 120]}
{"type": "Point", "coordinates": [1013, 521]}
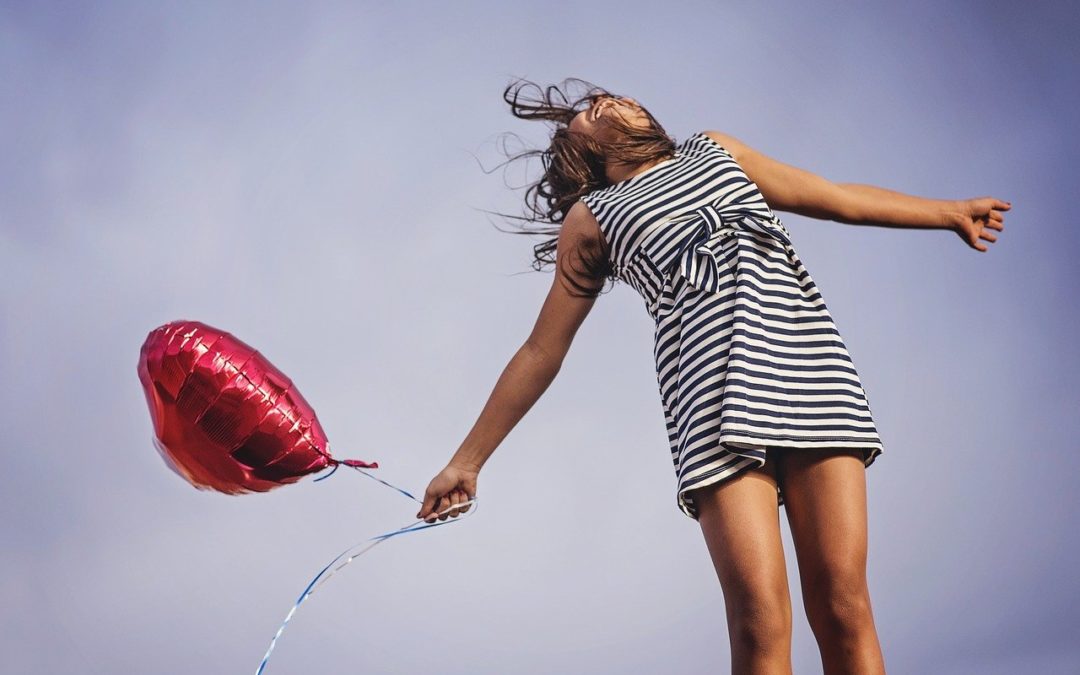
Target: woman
{"type": "Point", "coordinates": [761, 401]}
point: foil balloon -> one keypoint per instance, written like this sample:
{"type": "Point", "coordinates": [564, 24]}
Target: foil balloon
{"type": "Point", "coordinates": [224, 417]}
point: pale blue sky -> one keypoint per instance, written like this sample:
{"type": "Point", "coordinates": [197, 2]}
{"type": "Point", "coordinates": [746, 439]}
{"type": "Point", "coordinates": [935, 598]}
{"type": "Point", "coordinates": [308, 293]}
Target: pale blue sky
{"type": "Point", "coordinates": [303, 175]}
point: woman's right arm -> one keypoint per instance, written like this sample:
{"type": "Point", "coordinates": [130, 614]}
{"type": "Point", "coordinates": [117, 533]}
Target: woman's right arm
{"type": "Point", "coordinates": [788, 188]}
{"type": "Point", "coordinates": [529, 372]}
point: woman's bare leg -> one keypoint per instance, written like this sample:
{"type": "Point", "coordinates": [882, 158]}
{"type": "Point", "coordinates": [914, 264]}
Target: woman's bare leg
{"type": "Point", "coordinates": [825, 498]}
{"type": "Point", "coordinates": [741, 523]}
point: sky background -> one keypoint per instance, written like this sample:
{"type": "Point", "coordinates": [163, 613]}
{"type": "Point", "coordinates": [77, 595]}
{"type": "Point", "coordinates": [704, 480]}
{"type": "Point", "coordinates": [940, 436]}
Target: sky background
{"type": "Point", "coordinates": [311, 177]}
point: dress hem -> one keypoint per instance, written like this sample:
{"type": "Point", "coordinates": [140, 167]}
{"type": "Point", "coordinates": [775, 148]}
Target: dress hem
{"type": "Point", "coordinates": [792, 441]}
{"type": "Point", "coordinates": [727, 472]}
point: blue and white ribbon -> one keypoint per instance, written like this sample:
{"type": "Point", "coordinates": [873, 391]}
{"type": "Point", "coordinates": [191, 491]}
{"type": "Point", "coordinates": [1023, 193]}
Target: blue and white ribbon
{"type": "Point", "coordinates": [354, 551]}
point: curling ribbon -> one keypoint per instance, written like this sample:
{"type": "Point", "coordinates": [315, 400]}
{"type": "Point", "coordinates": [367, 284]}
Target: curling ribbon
{"type": "Point", "coordinates": [352, 553]}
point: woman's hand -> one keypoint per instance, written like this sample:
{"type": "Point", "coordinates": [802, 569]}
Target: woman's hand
{"type": "Point", "coordinates": [454, 484]}
{"type": "Point", "coordinates": [973, 219]}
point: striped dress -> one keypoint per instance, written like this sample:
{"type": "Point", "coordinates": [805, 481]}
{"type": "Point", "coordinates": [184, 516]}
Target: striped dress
{"type": "Point", "coordinates": [748, 357]}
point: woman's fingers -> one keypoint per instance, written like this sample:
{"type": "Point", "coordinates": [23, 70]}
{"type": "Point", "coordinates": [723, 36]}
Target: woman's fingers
{"type": "Point", "coordinates": [440, 505]}
{"type": "Point", "coordinates": [428, 505]}
{"type": "Point", "coordinates": [447, 505]}
{"type": "Point", "coordinates": [450, 499]}
{"type": "Point", "coordinates": [456, 499]}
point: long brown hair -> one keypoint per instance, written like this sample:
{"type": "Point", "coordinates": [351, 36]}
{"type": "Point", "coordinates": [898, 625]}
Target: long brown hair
{"type": "Point", "coordinates": [574, 165]}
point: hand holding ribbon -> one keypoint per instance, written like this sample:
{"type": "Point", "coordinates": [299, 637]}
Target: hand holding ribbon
{"type": "Point", "coordinates": [453, 486]}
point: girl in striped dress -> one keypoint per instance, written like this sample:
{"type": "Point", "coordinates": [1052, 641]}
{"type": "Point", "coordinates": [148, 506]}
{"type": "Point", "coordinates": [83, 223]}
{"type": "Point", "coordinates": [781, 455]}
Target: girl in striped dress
{"type": "Point", "coordinates": [761, 401]}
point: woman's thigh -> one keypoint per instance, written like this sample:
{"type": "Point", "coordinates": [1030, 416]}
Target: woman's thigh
{"type": "Point", "coordinates": [825, 499]}
{"type": "Point", "coordinates": [740, 520]}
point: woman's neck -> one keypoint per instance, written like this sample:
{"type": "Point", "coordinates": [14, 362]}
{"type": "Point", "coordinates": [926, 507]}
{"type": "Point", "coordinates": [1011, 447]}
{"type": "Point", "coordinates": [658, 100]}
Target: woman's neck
{"type": "Point", "coordinates": [620, 171]}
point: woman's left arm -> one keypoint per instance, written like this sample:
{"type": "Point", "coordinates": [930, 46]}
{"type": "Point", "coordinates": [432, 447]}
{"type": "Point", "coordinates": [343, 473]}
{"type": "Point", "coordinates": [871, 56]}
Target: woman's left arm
{"type": "Point", "coordinates": [788, 188]}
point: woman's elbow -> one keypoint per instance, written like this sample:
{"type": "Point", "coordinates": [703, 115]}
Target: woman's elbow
{"type": "Point", "coordinates": [546, 356]}
{"type": "Point", "coordinates": [830, 202]}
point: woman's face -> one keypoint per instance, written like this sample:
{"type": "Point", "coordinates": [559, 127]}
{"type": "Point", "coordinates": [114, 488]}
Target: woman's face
{"type": "Point", "coordinates": [594, 119]}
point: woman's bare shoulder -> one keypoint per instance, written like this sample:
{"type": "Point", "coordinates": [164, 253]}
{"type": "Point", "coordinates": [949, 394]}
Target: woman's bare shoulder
{"type": "Point", "coordinates": [580, 221]}
{"type": "Point", "coordinates": [732, 145]}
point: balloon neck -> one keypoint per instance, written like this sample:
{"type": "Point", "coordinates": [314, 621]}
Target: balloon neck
{"type": "Point", "coordinates": [358, 463]}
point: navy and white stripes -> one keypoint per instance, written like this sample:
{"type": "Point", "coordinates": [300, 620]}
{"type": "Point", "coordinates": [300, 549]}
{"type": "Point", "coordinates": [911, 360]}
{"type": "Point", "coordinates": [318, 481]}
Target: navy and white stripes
{"type": "Point", "coordinates": [747, 354]}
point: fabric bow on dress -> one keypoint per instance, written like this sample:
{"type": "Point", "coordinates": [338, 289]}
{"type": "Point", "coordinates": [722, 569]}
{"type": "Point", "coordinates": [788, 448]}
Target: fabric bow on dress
{"type": "Point", "coordinates": [699, 244]}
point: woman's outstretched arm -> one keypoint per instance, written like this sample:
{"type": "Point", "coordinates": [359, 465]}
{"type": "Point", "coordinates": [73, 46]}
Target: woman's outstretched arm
{"type": "Point", "coordinates": [788, 188]}
{"type": "Point", "coordinates": [528, 374]}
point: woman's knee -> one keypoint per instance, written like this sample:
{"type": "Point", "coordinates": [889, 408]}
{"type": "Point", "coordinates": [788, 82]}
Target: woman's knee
{"type": "Point", "coordinates": [758, 618]}
{"type": "Point", "coordinates": [838, 600]}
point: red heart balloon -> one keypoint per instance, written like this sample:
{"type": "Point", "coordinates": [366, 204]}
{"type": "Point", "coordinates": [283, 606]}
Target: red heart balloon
{"type": "Point", "coordinates": [224, 417]}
